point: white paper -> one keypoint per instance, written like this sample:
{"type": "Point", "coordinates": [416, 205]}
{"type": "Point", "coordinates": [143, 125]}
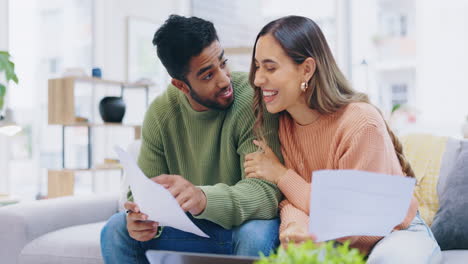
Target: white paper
{"type": "Point", "coordinates": [154, 200]}
{"type": "Point", "coordinates": [357, 203]}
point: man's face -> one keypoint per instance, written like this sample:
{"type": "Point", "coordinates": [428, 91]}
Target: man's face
{"type": "Point", "coordinates": [210, 80]}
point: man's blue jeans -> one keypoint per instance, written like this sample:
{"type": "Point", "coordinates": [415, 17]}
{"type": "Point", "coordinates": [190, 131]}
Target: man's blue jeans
{"type": "Point", "coordinates": [248, 239]}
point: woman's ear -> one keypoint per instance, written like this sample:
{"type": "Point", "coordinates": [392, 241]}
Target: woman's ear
{"type": "Point", "coordinates": [309, 67]}
{"type": "Point", "coordinates": [182, 86]}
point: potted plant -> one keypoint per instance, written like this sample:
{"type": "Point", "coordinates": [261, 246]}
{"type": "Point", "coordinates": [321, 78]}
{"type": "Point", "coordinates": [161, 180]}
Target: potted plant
{"type": "Point", "coordinates": [312, 253]}
{"type": "Point", "coordinates": [8, 67]}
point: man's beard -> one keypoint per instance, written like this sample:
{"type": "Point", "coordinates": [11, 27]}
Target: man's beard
{"type": "Point", "coordinates": [208, 103]}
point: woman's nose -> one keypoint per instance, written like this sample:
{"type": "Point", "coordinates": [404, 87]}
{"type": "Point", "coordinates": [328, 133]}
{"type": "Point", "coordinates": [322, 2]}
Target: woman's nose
{"type": "Point", "coordinates": [259, 79]}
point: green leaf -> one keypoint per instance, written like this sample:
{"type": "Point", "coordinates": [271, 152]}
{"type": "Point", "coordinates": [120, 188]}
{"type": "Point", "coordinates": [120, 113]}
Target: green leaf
{"type": "Point", "coordinates": [4, 58]}
{"type": "Point", "coordinates": [1, 102]}
{"type": "Point", "coordinates": [309, 252]}
{"type": "Point", "coordinates": [2, 90]}
{"type": "Point", "coordinates": [395, 107]}
{"type": "Point", "coordinates": [8, 67]}
{"type": "Point", "coordinates": [10, 72]}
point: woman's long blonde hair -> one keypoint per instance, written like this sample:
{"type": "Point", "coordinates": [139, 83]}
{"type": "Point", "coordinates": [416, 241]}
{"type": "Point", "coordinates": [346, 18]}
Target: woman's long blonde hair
{"type": "Point", "coordinates": [301, 38]}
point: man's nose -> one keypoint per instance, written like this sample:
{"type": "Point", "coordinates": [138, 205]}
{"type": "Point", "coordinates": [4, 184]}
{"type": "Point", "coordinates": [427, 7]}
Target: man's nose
{"type": "Point", "coordinates": [225, 78]}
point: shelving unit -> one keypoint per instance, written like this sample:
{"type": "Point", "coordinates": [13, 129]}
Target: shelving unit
{"type": "Point", "coordinates": [62, 111]}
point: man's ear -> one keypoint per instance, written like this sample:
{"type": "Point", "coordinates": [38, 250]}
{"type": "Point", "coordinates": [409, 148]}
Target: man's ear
{"type": "Point", "coordinates": [309, 67]}
{"type": "Point", "coordinates": [182, 86]}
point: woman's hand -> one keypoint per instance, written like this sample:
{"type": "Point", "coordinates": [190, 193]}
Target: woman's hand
{"type": "Point", "coordinates": [294, 233]}
{"type": "Point", "coordinates": [264, 165]}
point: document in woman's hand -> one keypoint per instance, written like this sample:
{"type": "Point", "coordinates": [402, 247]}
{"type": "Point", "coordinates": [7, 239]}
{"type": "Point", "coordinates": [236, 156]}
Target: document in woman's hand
{"type": "Point", "coordinates": [357, 203]}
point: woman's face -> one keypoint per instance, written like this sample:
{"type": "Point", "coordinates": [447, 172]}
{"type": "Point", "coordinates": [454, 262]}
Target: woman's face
{"type": "Point", "coordinates": [278, 76]}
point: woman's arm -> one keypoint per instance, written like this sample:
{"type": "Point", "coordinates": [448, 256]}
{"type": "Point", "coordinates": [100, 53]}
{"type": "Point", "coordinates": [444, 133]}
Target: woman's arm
{"type": "Point", "coordinates": [371, 149]}
{"type": "Point", "coordinates": [289, 213]}
{"type": "Point", "coordinates": [294, 225]}
{"type": "Point", "coordinates": [296, 189]}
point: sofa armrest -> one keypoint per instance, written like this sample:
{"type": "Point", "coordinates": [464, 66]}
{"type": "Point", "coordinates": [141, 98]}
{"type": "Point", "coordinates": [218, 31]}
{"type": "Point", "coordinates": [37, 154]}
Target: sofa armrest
{"type": "Point", "coordinates": [23, 222]}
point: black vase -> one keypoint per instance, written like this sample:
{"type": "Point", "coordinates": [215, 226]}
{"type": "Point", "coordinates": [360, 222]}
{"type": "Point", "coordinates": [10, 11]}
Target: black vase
{"type": "Point", "coordinates": [112, 109]}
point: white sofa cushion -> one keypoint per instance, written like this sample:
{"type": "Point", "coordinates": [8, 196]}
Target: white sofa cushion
{"type": "Point", "coordinates": [455, 256]}
{"type": "Point", "coordinates": [76, 244]}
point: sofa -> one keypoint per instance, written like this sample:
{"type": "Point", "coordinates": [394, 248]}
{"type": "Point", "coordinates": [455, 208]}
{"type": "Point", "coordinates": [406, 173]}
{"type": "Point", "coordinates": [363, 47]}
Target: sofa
{"type": "Point", "coordinates": [66, 230]}
{"type": "Point", "coordinates": [60, 230]}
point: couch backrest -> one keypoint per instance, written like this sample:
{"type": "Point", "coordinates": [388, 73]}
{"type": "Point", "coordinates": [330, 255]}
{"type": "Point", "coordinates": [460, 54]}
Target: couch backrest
{"type": "Point", "coordinates": [424, 152]}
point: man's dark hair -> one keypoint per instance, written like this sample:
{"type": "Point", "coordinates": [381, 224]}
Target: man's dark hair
{"type": "Point", "coordinates": [181, 38]}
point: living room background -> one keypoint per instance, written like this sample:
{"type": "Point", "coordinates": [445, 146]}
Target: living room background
{"type": "Point", "coordinates": [411, 53]}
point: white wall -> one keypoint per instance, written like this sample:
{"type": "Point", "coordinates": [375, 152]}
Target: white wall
{"type": "Point", "coordinates": [442, 59]}
{"type": "Point", "coordinates": [3, 24]}
{"type": "Point", "coordinates": [110, 41]}
{"type": "Point", "coordinates": [364, 23]}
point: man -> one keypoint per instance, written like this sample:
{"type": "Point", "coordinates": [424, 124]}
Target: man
{"type": "Point", "coordinates": [194, 140]}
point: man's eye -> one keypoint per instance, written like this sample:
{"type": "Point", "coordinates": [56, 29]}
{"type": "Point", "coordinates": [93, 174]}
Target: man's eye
{"type": "Point", "coordinates": [208, 76]}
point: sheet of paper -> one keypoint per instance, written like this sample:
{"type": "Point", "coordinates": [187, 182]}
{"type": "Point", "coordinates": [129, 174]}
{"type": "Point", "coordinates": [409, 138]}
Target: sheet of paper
{"type": "Point", "coordinates": [357, 203]}
{"type": "Point", "coordinates": [155, 200]}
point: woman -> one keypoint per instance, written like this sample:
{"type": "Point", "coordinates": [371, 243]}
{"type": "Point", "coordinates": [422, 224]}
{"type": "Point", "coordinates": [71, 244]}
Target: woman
{"type": "Point", "coordinates": [324, 124]}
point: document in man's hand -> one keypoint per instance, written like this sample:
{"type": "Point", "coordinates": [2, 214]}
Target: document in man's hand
{"type": "Point", "coordinates": [154, 200]}
{"type": "Point", "coordinates": [357, 203]}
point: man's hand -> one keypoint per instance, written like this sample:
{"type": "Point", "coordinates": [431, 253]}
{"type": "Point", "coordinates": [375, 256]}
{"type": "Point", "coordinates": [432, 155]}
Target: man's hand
{"type": "Point", "coordinates": [137, 225]}
{"type": "Point", "coordinates": [191, 198]}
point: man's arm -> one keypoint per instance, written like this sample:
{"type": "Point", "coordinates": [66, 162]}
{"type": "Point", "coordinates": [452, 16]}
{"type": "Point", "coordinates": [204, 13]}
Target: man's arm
{"type": "Point", "coordinates": [250, 198]}
{"type": "Point", "coordinates": [151, 159]}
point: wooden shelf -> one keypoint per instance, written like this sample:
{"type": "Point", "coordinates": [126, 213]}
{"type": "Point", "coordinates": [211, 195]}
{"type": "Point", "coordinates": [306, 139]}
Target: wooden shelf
{"type": "Point", "coordinates": [61, 182]}
{"type": "Point", "coordinates": [86, 124]}
{"type": "Point", "coordinates": [61, 111]}
{"type": "Point", "coordinates": [137, 128]}
{"type": "Point", "coordinates": [8, 200]}
{"type": "Point", "coordinates": [61, 96]}
{"type": "Point", "coordinates": [102, 81]}
{"type": "Point", "coordinates": [99, 167]}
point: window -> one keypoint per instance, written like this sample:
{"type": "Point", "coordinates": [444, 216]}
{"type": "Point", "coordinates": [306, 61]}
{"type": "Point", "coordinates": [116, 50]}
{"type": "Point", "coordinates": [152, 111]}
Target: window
{"type": "Point", "coordinates": [42, 35]}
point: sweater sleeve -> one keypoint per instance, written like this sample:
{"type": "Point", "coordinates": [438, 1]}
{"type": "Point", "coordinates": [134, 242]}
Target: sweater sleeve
{"type": "Point", "coordinates": [151, 159]}
{"type": "Point", "coordinates": [289, 213]}
{"type": "Point", "coordinates": [249, 198]}
{"type": "Point", "coordinates": [370, 148]}
{"type": "Point", "coordinates": [296, 190]}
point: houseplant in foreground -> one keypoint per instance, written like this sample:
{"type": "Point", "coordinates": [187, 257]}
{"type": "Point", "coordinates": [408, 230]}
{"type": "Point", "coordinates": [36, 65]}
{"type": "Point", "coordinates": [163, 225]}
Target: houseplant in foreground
{"type": "Point", "coordinates": [312, 253]}
{"type": "Point", "coordinates": [9, 68]}
{"type": "Point", "coordinates": [7, 124]}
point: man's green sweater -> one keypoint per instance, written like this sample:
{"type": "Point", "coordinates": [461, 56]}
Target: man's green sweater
{"type": "Point", "coordinates": [208, 149]}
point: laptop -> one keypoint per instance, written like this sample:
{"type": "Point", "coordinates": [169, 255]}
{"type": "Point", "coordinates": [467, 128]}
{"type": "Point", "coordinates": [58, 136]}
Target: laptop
{"type": "Point", "coordinates": [172, 257]}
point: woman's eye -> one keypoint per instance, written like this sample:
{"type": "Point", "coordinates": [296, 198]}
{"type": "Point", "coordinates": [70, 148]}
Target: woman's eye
{"type": "Point", "coordinates": [224, 63]}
